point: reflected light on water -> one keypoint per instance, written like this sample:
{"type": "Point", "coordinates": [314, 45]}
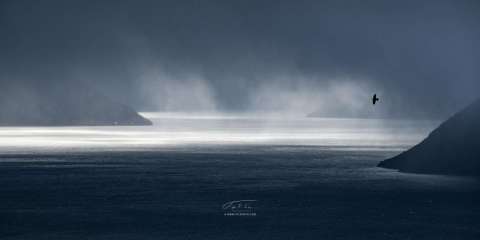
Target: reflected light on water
{"type": "Point", "coordinates": [182, 129]}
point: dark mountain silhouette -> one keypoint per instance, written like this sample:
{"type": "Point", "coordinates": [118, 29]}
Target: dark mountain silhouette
{"type": "Point", "coordinates": [452, 148]}
{"type": "Point", "coordinates": [34, 104]}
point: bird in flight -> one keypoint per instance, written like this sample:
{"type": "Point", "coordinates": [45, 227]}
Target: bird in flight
{"type": "Point", "coordinates": [374, 99]}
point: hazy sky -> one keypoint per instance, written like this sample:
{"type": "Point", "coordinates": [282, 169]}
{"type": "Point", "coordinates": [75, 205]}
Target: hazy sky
{"type": "Point", "coordinates": [300, 56]}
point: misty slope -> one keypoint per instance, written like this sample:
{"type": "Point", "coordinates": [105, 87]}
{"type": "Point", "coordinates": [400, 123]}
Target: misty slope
{"type": "Point", "coordinates": [39, 105]}
{"type": "Point", "coordinates": [452, 148]}
{"type": "Point", "coordinates": [344, 113]}
{"type": "Point", "coordinates": [367, 110]}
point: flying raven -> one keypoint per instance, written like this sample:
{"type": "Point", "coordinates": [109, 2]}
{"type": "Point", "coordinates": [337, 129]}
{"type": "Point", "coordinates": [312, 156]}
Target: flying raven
{"type": "Point", "coordinates": [374, 99]}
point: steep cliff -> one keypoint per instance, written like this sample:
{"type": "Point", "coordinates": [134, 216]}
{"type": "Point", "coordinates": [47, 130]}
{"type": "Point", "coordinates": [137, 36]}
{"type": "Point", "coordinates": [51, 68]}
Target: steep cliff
{"type": "Point", "coordinates": [452, 148]}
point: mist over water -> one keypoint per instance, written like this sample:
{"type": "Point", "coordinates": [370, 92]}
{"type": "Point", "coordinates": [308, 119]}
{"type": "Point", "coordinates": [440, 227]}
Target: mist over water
{"type": "Point", "coordinates": [228, 86]}
{"type": "Point", "coordinates": [231, 56]}
{"type": "Point", "coordinates": [204, 129]}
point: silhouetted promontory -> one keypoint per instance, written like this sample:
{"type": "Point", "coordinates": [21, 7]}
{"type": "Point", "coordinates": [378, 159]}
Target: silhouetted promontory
{"type": "Point", "coordinates": [452, 148]}
{"type": "Point", "coordinates": [39, 105]}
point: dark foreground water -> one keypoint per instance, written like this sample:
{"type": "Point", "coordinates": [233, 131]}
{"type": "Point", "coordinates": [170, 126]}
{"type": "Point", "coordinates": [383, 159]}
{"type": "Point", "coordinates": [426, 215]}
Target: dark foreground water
{"type": "Point", "coordinates": [300, 192]}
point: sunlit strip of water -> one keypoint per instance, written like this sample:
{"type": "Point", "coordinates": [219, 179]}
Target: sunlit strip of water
{"type": "Point", "coordinates": [181, 129]}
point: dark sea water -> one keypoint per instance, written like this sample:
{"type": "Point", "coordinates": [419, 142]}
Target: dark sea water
{"type": "Point", "coordinates": [227, 177]}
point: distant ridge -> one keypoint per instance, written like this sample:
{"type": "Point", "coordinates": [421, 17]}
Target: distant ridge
{"type": "Point", "coordinates": [38, 105]}
{"type": "Point", "coordinates": [370, 111]}
{"type": "Point", "coordinates": [452, 148]}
